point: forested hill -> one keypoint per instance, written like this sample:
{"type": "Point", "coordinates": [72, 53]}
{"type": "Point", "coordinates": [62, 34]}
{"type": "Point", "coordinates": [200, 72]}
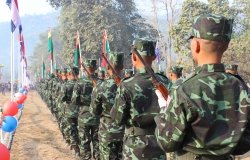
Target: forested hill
{"type": "Point", "coordinates": [33, 26]}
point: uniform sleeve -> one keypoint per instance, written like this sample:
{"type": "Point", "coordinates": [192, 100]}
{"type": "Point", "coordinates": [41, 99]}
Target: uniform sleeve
{"type": "Point", "coordinates": [75, 95]}
{"type": "Point", "coordinates": [96, 101]}
{"type": "Point", "coordinates": [120, 110]}
{"type": "Point", "coordinates": [63, 93]}
{"type": "Point", "coordinates": [171, 125]}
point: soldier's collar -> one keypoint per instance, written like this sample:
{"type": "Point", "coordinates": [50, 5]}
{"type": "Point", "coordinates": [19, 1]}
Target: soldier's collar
{"type": "Point", "coordinates": [141, 70]}
{"type": "Point", "coordinates": [210, 68]}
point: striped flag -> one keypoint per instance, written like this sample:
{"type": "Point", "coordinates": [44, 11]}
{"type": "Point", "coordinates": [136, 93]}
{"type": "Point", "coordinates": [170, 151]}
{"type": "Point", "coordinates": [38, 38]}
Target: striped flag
{"type": "Point", "coordinates": [15, 18]}
{"type": "Point", "coordinates": [77, 52]}
{"type": "Point", "coordinates": [105, 47]}
{"type": "Point", "coordinates": [43, 70]}
{"type": "Point", "coordinates": [21, 41]}
{"type": "Point", "coordinates": [50, 50]}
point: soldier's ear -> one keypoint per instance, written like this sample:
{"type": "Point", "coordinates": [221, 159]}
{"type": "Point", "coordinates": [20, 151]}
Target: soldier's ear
{"type": "Point", "coordinates": [134, 57]}
{"type": "Point", "coordinates": [197, 46]}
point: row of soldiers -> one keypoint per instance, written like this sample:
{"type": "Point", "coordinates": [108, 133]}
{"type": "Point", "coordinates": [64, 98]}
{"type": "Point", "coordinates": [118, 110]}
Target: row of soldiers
{"type": "Point", "coordinates": [204, 117]}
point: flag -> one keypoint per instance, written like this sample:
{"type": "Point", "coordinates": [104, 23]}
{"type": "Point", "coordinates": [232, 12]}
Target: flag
{"type": "Point", "coordinates": [55, 65]}
{"type": "Point", "coordinates": [157, 53]}
{"type": "Point", "coordinates": [15, 18]}
{"type": "Point", "coordinates": [21, 41]}
{"type": "Point", "coordinates": [105, 47]}
{"type": "Point", "coordinates": [77, 52]}
{"type": "Point", "coordinates": [50, 50]}
{"type": "Point", "coordinates": [50, 45]}
{"type": "Point", "coordinates": [43, 69]}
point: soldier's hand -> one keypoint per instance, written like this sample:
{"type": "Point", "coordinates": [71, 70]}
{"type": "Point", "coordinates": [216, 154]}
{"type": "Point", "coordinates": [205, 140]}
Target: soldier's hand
{"type": "Point", "coordinates": [161, 100]}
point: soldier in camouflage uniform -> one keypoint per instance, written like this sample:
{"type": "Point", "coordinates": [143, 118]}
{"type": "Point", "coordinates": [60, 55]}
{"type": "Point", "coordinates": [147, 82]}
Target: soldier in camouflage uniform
{"type": "Point", "coordinates": [87, 123]}
{"type": "Point", "coordinates": [110, 135]}
{"type": "Point", "coordinates": [60, 102]}
{"type": "Point", "coordinates": [101, 74]}
{"type": "Point", "coordinates": [136, 105]}
{"type": "Point", "coordinates": [70, 110]}
{"type": "Point", "coordinates": [208, 114]}
{"type": "Point", "coordinates": [175, 73]}
{"type": "Point", "coordinates": [232, 69]}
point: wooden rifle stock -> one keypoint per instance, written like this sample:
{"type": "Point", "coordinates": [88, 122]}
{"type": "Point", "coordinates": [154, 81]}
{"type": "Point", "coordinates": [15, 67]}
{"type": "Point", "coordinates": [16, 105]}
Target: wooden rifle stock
{"type": "Point", "coordinates": [158, 84]}
{"type": "Point", "coordinates": [117, 77]}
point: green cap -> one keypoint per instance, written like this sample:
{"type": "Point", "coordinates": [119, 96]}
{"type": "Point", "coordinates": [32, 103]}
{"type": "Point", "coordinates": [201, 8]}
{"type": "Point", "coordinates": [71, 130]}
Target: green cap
{"type": "Point", "coordinates": [233, 67]}
{"type": "Point", "coordinates": [144, 47]}
{"type": "Point", "coordinates": [75, 70]}
{"type": "Point", "coordinates": [65, 70]}
{"type": "Point", "coordinates": [51, 75]}
{"type": "Point", "coordinates": [116, 58]}
{"type": "Point", "coordinates": [91, 63]}
{"type": "Point", "coordinates": [176, 69]}
{"type": "Point", "coordinates": [212, 27]}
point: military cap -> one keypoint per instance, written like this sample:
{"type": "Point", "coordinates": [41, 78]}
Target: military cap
{"type": "Point", "coordinates": [176, 69]}
{"type": "Point", "coordinates": [212, 27]}
{"type": "Point", "coordinates": [233, 67]}
{"type": "Point", "coordinates": [90, 63]}
{"type": "Point", "coordinates": [144, 47]}
{"type": "Point", "coordinates": [75, 70]}
{"type": "Point", "coordinates": [116, 58]}
{"type": "Point", "coordinates": [51, 75]}
{"type": "Point", "coordinates": [65, 70]}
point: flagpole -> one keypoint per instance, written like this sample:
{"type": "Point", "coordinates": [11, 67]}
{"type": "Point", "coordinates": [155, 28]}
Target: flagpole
{"type": "Point", "coordinates": [78, 36]}
{"type": "Point", "coordinates": [12, 65]}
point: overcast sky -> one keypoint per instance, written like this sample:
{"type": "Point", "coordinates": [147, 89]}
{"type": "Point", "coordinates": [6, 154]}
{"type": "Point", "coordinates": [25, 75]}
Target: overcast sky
{"type": "Point", "coordinates": [26, 7]}
{"type": "Point", "coordinates": [36, 7]}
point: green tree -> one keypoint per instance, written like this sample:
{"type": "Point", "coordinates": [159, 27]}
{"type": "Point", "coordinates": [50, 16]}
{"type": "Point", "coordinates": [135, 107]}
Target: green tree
{"type": "Point", "coordinates": [118, 17]}
{"type": "Point", "coordinates": [181, 31]}
{"type": "Point", "coordinates": [41, 52]}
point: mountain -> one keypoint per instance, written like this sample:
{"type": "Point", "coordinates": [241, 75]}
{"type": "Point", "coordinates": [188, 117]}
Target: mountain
{"type": "Point", "coordinates": [33, 26]}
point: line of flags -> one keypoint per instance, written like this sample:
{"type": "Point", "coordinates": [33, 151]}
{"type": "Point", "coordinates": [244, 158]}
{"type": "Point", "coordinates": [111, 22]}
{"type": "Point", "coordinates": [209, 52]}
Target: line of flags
{"type": "Point", "coordinates": [16, 23]}
{"type": "Point", "coordinates": [77, 56]}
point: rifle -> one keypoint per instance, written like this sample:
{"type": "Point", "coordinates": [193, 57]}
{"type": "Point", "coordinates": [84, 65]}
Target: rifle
{"type": "Point", "coordinates": [158, 85]}
{"type": "Point", "coordinates": [85, 69]}
{"type": "Point", "coordinates": [117, 78]}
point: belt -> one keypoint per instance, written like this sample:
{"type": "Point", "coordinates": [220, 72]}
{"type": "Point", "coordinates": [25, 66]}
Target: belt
{"type": "Point", "coordinates": [139, 131]}
{"type": "Point", "coordinates": [192, 156]}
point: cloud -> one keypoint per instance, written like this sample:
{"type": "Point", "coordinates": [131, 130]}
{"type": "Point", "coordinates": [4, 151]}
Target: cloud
{"type": "Point", "coordinates": [26, 7]}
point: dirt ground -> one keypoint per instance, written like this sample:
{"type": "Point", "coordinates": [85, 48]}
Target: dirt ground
{"type": "Point", "coordinates": [37, 136]}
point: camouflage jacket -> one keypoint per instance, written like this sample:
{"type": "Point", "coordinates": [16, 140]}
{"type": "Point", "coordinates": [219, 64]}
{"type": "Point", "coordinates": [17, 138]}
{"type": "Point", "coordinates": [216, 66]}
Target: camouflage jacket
{"type": "Point", "coordinates": [136, 102]}
{"type": "Point", "coordinates": [207, 113]}
{"type": "Point", "coordinates": [82, 97]}
{"type": "Point", "coordinates": [103, 97]}
{"type": "Point", "coordinates": [71, 110]}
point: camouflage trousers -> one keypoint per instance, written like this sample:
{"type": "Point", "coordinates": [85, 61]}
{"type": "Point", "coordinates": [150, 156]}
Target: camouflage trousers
{"type": "Point", "coordinates": [110, 150]}
{"type": "Point", "coordinates": [88, 134]}
{"type": "Point", "coordinates": [70, 130]}
{"type": "Point", "coordinates": [141, 147]}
